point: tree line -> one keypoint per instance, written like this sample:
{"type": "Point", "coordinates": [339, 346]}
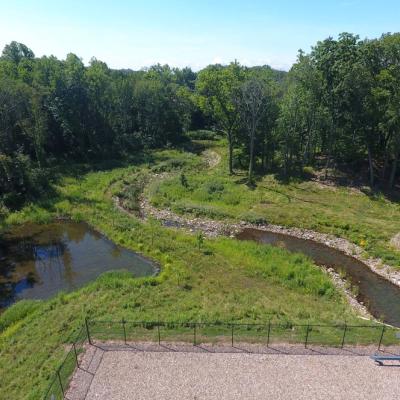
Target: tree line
{"type": "Point", "coordinates": [338, 106]}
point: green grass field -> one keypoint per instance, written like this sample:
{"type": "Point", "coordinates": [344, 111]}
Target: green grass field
{"type": "Point", "coordinates": [367, 220]}
{"type": "Point", "coordinates": [225, 280]}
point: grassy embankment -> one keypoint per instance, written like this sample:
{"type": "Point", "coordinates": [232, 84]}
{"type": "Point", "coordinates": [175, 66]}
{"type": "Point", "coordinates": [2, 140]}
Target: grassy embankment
{"type": "Point", "coordinates": [225, 280]}
{"type": "Point", "coordinates": [367, 220]}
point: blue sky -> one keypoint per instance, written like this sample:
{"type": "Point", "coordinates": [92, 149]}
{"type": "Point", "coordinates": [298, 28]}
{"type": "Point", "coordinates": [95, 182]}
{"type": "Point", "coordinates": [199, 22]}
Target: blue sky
{"type": "Point", "coordinates": [135, 34]}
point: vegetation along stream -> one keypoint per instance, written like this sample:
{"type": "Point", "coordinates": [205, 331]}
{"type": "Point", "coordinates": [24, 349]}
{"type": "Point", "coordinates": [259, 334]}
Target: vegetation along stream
{"type": "Point", "coordinates": [38, 261]}
{"type": "Point", "coordinates": [381, 297]}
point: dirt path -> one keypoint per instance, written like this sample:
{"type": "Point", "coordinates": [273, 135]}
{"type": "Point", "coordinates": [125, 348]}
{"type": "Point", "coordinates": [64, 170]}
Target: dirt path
{"type": "Point", "coordinates": [212, 158]}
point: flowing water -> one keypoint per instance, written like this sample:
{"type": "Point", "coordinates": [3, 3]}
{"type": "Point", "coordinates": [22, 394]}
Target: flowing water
{"type": "Point", "coordinates": [38, 261]}
{"type": "Point", "coordinates": [381, 297]}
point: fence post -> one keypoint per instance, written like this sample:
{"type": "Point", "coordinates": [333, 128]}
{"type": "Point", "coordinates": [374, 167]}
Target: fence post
{"type": "Point", "coordinates": [381, 338]}
{"type": "Point", "coordinates": [344, 335]}
{"type": "Point", "coordinates": [232, 334]}
{"type": "Point", "coordinates": [194, 334]}
{"type": "Point", "coordinates": [87, 331]}
{"type": "Point", "coordinates": [76, 355]}
{"type": "Point", "coordinates": [123, 327]}
{"type": "Point", "coordinates": [307, 333]}
{"type": "Point", "coordinates": [59, 380]}
{"type": "Point", "coordinates": [268, 332]}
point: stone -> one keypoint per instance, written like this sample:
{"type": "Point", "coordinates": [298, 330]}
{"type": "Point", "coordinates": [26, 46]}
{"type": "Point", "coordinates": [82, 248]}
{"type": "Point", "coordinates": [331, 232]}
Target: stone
{"type": "Point", "coordinates": [395, 241]}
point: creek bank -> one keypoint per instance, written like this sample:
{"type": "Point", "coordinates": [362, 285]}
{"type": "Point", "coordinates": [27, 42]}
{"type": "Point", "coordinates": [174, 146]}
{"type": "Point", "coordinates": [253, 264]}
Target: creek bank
{"type": "Point", "coordinates": [212, 228]}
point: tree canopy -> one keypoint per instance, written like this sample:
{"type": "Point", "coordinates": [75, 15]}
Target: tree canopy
{"type": "Point", "coordinates": [338, 107]}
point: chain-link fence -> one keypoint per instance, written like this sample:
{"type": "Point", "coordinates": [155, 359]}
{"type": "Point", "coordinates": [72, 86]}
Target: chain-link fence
{"type": "Point", "coordinates": [60, 382]}
{"type": "Point", "coordinates": [158, 332]}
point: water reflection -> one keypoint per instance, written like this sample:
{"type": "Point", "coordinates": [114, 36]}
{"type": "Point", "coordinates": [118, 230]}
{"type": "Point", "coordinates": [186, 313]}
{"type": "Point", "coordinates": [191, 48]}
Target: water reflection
{"type": "Point", "coordinates": [381, 297]}
{"type": "Point", "coordinates": [37, 261]}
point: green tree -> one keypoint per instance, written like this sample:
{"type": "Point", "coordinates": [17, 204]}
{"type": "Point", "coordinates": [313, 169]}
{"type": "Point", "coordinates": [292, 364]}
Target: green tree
{"type": "Point", "coordinates": [252, 103]}
{"type": "Point", "coordinates": [388, 94]}
{"type": "Point", "coordinates": [16, 52]}
{"type": "Point", "coordinates": [218, 87]}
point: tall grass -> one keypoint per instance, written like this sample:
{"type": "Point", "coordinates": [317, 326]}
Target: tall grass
{"type": "Point", "coordinates": [368, 220]}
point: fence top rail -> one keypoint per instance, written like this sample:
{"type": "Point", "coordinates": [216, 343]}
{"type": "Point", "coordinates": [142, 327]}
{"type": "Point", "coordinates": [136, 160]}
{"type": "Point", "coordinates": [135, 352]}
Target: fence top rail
{"type": "Point", "coordinates": [230, 324]}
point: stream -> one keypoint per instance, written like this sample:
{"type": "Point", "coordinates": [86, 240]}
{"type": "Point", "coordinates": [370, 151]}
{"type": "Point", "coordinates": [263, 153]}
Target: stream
{"type": "Point", "coordinates": [380, 296]}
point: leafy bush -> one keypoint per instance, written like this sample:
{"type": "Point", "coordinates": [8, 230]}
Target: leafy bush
{"type": "Point", "coordinates": [230, 198]}
{"type": "Point", "coordinates": [183, 180]}
{"type": "Point", "coordinates": [200, 211]}
{"type": "Point", "coordinates": [169, 165]}
{"type": "Point", "coordinates": [131, 192]}
{"type": "Point", "coordinates": [308, 171]}
{"type": "Point", "coordinates": [212, 187]}
{"type": "Point", "coordinates": [254, 218]}
{"type": "Point", "coordinates": [203, 134]}
{"type": "Point", "coordinates": [20, 180]}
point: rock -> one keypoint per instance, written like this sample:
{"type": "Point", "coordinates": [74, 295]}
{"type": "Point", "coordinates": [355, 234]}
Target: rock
{"type": "Point", "coordinates": [395, 241]}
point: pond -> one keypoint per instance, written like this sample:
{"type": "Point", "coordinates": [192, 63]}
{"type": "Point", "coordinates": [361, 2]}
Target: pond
{"type": "Point", "coordinates": [381, 297]}
{"type": "Point", "coordinates": [37, 261]}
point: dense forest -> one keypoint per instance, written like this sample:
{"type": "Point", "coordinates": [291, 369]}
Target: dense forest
{"type": "Point", "coordinates": [337, 108]}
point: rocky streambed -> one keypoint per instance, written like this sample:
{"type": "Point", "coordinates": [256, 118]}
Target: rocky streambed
{"type": "Point", "coordinates": [371, 287]}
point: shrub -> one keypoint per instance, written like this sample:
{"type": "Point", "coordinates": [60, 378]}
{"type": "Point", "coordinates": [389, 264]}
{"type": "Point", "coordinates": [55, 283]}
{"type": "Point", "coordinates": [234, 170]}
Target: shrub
{"type": "Point", "coordinates": [130, 193]}
{"type": "Point", "coordinates": [203, 134]}
{"type": "Point", "coordinates": [212, 187]}
{"type": "Point", "coordinates": [200, 211]}
{"type": "Point", "coordinates": [183, 180]}
{"type": "Point", "coordinates": [308, 171]}
{"type": "Point", "coordinates": [232, 199]}
{"type": "Point", "coordinates": [169, 165]}
{"type": "Point", "coordinates": [254, 218]}
{"type": "Point", "coordinates": [21, 180]}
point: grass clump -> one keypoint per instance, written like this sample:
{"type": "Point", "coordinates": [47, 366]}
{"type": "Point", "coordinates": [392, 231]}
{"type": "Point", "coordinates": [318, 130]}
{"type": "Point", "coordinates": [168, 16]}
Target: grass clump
{"type": "Point", "coordinates": [17, 313]}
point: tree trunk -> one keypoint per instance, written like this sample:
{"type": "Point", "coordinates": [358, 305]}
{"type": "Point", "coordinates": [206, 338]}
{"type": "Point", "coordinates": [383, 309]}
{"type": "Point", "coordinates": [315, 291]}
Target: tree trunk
{"type": "Point", "coordinates": [251, 162]}
{"type": "Point", "coordinates": [332, 132]}
{"type": "Point", "coordinates": [385, 165]}
{"type": "Point", "coordinates": [263, 157]}
{"type": "Point", "coordinates": [328, 155]}
{"type": "Point", "coordinates": [386, 155]}
{"type": "Point", "coordinates": [230, 153]}
{"type": "Point", "coordinates": [306, 154]}
{"type": "Point", "coordinates": [371, 167]}
{"type": "Point", "coordinates": [394, 170]}
{"type": "Point", "coordinates": [285, 155]}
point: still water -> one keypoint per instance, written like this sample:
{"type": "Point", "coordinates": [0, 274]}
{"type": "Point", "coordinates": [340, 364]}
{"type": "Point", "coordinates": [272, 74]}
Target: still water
{"type": "Point", "coordinates": [37, 261]}
{"type": "Point", "coordinates": [381, 297]}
